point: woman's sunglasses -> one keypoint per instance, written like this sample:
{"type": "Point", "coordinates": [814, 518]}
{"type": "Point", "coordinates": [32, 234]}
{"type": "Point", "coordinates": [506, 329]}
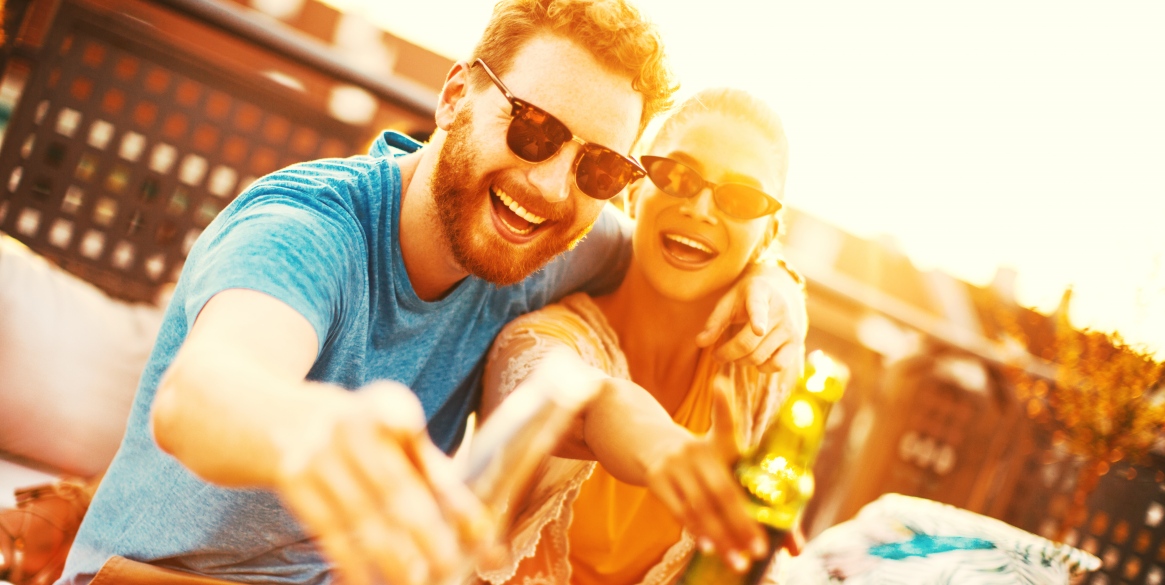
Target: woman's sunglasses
{"type": "Point", "coordinates": [535, 135]}
{"type": "Point", "coordinates": [737, 200]}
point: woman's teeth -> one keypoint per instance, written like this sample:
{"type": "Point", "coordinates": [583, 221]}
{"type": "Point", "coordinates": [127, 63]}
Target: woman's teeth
{"type": "Point", "coordinates": [518, 210]}
{"type": "Point", "coordinates": [689, 243]}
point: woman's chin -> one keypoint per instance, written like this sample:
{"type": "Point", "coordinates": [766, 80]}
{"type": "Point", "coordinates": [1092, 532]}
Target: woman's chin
{"type": "Point", "coordinates": [687, 286]}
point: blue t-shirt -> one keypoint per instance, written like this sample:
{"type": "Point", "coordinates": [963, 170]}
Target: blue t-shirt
{"type": "Point", "coordinates": [321, 236]}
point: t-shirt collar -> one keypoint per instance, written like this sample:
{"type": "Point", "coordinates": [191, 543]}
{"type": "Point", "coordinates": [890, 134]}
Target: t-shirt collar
{"type": "Point", "coordinates": [393, 143]}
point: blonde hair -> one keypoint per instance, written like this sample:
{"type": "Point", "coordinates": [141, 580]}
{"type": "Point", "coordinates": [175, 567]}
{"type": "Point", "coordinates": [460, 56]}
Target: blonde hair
{"type": "Point", "coordinates": [739, 105]}
{"type": "Point", "coordinates": [612, 30]}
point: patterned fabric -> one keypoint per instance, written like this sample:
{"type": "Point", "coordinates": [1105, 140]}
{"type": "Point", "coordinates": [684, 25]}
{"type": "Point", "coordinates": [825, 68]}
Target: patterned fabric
{"type": "Point", "coordinates": [899, 539]}
{"type": "Point", "coordinates": [539, 537]}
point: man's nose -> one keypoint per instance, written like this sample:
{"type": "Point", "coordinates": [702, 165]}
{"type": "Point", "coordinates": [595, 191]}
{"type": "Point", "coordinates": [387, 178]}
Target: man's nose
{"type": "Point", "coordinates": [701, 206]}
{"type": "Point", "coordinates": [553, 177]}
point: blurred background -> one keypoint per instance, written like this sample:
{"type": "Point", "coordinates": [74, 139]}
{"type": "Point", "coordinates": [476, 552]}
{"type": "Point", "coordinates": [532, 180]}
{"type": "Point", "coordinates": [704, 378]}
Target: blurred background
{"type": "Point", "coordinates": [977, 194]}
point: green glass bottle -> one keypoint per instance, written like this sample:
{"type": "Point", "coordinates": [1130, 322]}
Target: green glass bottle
{"type": "Point", "coordinates": [777, 475]}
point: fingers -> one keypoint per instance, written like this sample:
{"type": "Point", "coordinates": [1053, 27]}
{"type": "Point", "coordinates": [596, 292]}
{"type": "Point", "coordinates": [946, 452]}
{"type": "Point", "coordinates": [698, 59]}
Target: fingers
{"type": "Point", "coordinates": [763, 357]}
{"type": "Point", "coordinates": [674, 498]}
{"type": "Point", "coordinates": [763, 352]}
{"type": "Point", "coordinates": [775, 317]}
{"type": "Point", "coordinates": [397, 409]}
{"type": "Point", "coordinates": [723, 431]}
{"type": "Point", "coordinates": [471, 519]}
{"type": "Point", "coordinates": [316, 514]}
{"type": "Point", "coordinates": [697, 486]}
{"type": "Point", "coordinates": [741, 345]}
{"type": "Point", "coordinates": [458, 520]}
{"type": "Point", "coordinates": [741, 532]}
{"type": "Point", "coordinates": [759, 298]}
{"type": "Point", "coordinates": [787, 358]}
{"type": "Point", "coordinates": [382, 517]}
{"type": "Point", "coordinates": [716, 509]}
{"type": "Point", "coordinates": [719, 320]}
{"type": "Point", "coordinates": [383, 502]}
{"type": "Point", "coordinates": [401, 500]}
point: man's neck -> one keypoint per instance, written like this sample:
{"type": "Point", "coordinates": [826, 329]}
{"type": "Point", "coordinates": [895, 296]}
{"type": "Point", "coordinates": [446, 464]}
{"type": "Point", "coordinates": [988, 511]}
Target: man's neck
{"type": "Point", "coordinates": [427, 257]}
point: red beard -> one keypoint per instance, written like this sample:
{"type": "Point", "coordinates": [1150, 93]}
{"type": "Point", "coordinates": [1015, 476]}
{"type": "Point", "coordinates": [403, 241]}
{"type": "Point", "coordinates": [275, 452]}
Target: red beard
{"type": "Point", "coordinates": [457, 190]}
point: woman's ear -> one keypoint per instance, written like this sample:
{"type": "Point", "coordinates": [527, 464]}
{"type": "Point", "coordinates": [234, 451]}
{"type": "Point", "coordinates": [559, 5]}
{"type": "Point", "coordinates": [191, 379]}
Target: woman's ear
{"type": "Point", "coordinates": [452, 93]}
{"type": "Point", "coordinates": [772, 231]}
{"type": "Point", "coordinates": [766, 241]}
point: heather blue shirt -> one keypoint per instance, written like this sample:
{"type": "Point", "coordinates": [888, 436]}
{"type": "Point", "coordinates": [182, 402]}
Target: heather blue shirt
{"type": "Point", "coordinates": [322, 237]}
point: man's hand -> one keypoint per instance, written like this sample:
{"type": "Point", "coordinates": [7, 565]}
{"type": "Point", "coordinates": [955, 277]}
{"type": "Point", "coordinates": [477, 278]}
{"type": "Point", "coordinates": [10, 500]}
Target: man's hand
{"type": "Point", "coordinates": [357, 469]}
{"type": "Point", "coordinates": [772, 304]}
{"type": "Point", "coordinates": [693, 478]}
{"type": "Point", "coordinates": [383, 502]}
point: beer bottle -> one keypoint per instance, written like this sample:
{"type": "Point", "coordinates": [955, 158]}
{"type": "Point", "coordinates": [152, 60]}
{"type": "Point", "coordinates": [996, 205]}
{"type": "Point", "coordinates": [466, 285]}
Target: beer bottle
{"type": "Point", "coordinates": [777, 476]}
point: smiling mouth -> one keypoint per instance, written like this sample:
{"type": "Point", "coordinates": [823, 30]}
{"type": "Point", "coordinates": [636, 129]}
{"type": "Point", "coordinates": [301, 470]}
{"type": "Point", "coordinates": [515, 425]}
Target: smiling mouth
{"type": "Point", "coordinates": [688, 252]}
{"type": "Point", "coordinates": [518, 220]}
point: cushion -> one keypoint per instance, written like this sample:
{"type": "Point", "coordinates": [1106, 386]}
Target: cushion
{"type": "Point", "coordinates": [70, 359]}
{"type": "Point", "coordinates": [900, 539]}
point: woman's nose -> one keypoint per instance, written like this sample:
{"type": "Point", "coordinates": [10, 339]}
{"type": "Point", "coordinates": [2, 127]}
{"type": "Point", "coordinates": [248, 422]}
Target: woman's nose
{"type": "Point", "coordinates": [701, 206]}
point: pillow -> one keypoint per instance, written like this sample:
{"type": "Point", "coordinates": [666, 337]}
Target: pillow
{"type": "Point", "coordinates": [900, 539]}
{"type": "Point", "coordinates": [70, 359]}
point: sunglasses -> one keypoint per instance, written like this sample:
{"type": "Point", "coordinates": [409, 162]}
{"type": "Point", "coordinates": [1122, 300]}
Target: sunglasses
{"type": "Point", "coordinates": [679, 180]}
{"type": "Point", "coordinates": [535, 135]}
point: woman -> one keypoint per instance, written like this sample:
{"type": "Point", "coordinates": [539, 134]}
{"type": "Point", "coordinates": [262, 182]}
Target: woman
{"type": "Point", "coordinates": [716, 171]}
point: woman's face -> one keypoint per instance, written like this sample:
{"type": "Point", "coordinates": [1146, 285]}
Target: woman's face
{"type": "Point", "coordinates": [689, 248]}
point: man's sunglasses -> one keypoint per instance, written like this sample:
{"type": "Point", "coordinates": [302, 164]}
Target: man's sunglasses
{"type": "Point", "coordinates": [737, 200]}
{"type": "Point", "coordinates": [535, 135]}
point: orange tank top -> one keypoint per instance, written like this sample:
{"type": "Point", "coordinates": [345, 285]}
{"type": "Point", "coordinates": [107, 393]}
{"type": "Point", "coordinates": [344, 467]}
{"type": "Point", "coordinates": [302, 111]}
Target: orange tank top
{"type": "Point", "coordinates": [618, 531]}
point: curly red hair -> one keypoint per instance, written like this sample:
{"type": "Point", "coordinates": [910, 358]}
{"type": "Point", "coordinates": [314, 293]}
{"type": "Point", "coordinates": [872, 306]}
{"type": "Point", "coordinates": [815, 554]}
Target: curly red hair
{"type": "Point", "coordinates": [612, 30]}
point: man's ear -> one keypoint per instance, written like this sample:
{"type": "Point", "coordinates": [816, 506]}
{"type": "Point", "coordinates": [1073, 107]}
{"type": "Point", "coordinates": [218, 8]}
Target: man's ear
{"type": "Point", "coordinates": [452, 93]}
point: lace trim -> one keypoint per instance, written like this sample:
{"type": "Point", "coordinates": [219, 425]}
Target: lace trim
{"type": "Point", "coordinates": [674, 561]}
{"type": "Point", "coordinates": [585, 307]}
{"type": "Point", "coordinates": [539, 579]}
{"type": "Point", "coordinates": [519, 367]}
{"type": "Point", "coordinates": [547, 514]}
{"type": "Point", "coordinates": [757, 394]}
{"type": "Point", "coordinates": [592, 339]}
{"type": "Point", "coordinates": [560, 565]}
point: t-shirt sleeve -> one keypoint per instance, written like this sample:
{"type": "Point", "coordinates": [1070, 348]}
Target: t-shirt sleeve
{"type": "Point", "coordinates": [295, 247]}
{"type": "Point", "coordinates": [596, 266]}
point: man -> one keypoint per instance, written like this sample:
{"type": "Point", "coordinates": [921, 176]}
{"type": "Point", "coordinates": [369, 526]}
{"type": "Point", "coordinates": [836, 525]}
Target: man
{"type": "Point", "coordinates": [337, 274]}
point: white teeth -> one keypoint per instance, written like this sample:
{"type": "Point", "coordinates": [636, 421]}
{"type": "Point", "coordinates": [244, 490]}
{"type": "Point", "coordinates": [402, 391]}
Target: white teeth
{"type": "Point", "coordinates": [690, 243]}
{"type": "Point", "coordinates": [518, 209]}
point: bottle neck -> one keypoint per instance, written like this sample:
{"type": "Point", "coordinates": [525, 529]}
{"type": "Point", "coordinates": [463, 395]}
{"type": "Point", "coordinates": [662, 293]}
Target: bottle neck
{"type": "Point", "coordinates": [797, 432]}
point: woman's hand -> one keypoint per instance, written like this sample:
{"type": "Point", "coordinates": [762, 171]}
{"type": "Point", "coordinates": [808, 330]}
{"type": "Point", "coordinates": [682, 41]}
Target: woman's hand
{"type": "Point", "coordinates": [692, 476]}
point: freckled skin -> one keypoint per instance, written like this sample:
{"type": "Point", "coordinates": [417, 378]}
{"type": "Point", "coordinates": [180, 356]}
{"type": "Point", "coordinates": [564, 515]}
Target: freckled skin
{"type": "Point", "coordinates": [596, 104]}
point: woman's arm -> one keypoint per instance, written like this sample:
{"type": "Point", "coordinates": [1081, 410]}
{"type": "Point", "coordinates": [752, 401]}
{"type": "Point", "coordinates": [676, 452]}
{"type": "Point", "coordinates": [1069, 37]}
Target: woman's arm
{"type": "Point", "coordinates": [627, 431]}
{"type": "Point", "coordinates": [636, 441]}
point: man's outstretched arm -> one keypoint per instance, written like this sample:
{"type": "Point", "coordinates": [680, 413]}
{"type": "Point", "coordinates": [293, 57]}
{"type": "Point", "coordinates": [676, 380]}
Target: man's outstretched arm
{"type": "Point", "coordinates": [356, 468]}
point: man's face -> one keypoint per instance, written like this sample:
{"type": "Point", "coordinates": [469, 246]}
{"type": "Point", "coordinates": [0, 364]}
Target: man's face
{"type": "Point", "coordinates": [504, 217]}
